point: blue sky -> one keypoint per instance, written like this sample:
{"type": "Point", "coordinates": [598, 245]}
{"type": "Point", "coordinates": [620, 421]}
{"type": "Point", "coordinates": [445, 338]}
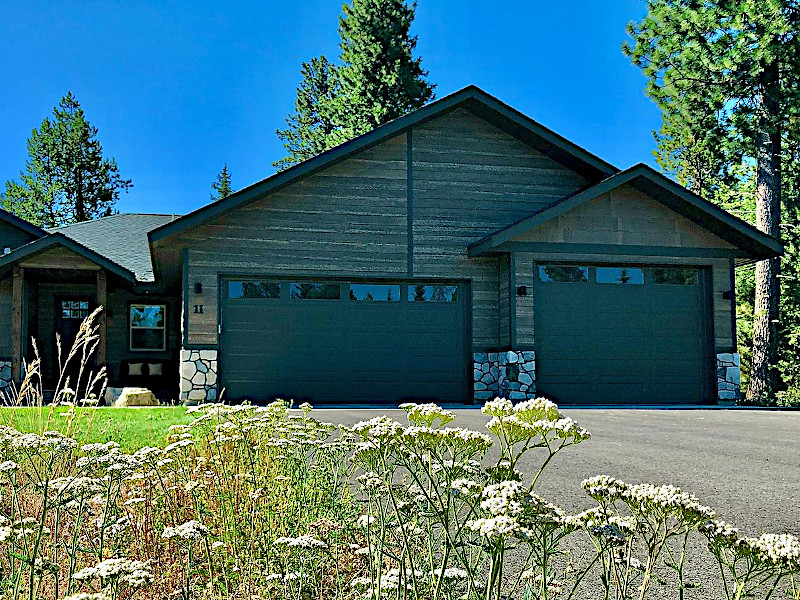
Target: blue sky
{"type": "Point", "coordinates": [178, 88]}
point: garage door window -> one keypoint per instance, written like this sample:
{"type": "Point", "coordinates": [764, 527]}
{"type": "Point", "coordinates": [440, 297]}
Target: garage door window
{"type": "Point", "coordinates": [563, 274]}
{"type": "Point", "coordinates": [253, 288]}
{"type": "Point", "coordinates": [369, 292]}
{"type": "Point", "coordinates": [315, 291]}
{"type": "Point", "coordinates": [620, 275]}
{"type": "Point", "coordinates": [432, 293]}
{"type": "Point", "coordinates": [675, 276]}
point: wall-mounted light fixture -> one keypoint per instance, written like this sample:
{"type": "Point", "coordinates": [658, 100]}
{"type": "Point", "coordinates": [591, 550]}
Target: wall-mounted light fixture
{"type": "Point", "coordinates": [198, 288]}
{"type": "Point", "coordinates": [522, 290]}
{"type": "Point", "coordinates": [726, 295]}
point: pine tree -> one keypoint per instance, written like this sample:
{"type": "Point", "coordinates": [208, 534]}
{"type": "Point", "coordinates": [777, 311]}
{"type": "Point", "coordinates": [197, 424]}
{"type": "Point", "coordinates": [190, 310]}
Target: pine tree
{"type": "Point", "coordinates": [381, 80]}
{"type": "Point", "coordinates": [222, 185]}
{"type": "Point", "coordinates": [378, 79]}
{"type": "Point", "coordinates": [66, 180]}
{"type": "Point", "coordinates": [725, 75]}
{"type": "Point", "coordinates": [310, 129]}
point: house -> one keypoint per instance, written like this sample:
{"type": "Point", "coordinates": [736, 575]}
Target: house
{"type": "Point", "coordinates": [456, 253]}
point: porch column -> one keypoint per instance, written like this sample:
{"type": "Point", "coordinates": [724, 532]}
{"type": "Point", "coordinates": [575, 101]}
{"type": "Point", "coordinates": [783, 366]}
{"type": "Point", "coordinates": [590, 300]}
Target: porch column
{"type": "Point", "coordinates": [102, 298]}
{"type": "Point", "coordinates": [17, 308]}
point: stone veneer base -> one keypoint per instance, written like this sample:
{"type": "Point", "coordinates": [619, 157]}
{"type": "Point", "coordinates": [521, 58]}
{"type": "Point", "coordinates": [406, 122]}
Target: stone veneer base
{"type": "Point", "coordinates": [199, 375]}
{"type": "Point", "coordinates": [510, 374]}
{"type": "Point", "coordinates": [729, 376]}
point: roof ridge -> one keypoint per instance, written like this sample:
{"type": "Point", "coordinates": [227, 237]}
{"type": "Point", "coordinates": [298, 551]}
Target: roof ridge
{"type": "Point", "coordinates": [110, 217]}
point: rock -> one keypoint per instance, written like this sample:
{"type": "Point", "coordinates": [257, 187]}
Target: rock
{"type": "Point", "coordinates": [479, 357]}
{"type": "Point", "coordinates": [734, 375]}
{"type": "Point", "coordinates": [186, 385]}
{"type": "Point", "coordinates": [518, 396]}
{"type": "Point", "coordinates": [136, 397]}
{"type": "Point", "coordinates": [201, 366]}
{"type": "Point", "coordinates": [525, 379]}
{"type": "Point", "coordinates": [727, 395]}
{"type": "Point", "coordinates": [211, 378]}
{"type": "Point", "coordinates": [483, 395]}
{"type": "Point", "coordinates": [480, 386]}
{"type": "Point", "coordinates": [199, 378]}
{"type": "Point", "coordinates": [208, 354]}
{"type": "Point", "coordinates": [477, 374]}
{"type": "Point", "coordinates": [197, 395]}
{"type": "Point", "coordinates": [511, 357]}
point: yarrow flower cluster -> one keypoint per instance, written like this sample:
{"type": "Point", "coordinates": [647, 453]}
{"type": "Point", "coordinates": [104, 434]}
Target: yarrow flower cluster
{"type": "Point", "coordinates": [301, 541]}
{"type": "Point", "coordinates": [645, 496]}
{"type": "Point", "coordinates": [781, 549]}
{"type": "Point", "coordinates": [134, 573]}
{"type": "Point", "coordinates": [190, 531]}
{"type": "Point", "coordinates": [427, 414]}
{"type": "Point", "coordinates": [529, 419]}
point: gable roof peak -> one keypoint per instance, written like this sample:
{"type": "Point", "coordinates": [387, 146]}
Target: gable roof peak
{"type": "Point", "coordinates": [474, 98]}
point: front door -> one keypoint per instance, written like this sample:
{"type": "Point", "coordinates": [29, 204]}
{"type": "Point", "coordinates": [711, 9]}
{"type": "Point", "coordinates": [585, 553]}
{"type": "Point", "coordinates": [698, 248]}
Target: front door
{"type": "Point", "coordinates": [70, 313]}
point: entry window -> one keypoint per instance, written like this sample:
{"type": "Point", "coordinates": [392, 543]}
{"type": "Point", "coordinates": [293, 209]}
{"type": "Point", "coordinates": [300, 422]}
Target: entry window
{"type": "Point", "coordinates": [563, 274]}
{"type": "Point", "coordinates": [148, 329]}
{"type": "Point", "coordinates": [675, 276]}
{"type": "Point", "coordinates": [74, 309]}
{"type": "Point", "coordinates": [369, 292]}
{"type": "Point", "coordinates": [315, 291]}
{"type": "Point", "coordinates": [432, 293]}
{"type": "Point", "coordinates": [253, 288]}
{"type": "Point", "coordinates": [620, 275]}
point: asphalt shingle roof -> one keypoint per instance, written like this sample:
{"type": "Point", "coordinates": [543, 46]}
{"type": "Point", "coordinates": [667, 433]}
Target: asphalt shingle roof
{"type": "Point", "coordinates": [120, 238]}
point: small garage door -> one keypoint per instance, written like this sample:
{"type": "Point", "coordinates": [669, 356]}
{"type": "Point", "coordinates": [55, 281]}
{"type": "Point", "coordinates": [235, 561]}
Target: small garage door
{"type": "Point", "coordinates": [621, 334]}
{"type": "Point", "coordinates": [337, 341]}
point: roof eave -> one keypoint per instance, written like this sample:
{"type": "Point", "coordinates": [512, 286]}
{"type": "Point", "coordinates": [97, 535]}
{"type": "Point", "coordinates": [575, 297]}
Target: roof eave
{"type": "Point", "coordinates": [43, 244]}
{"type": "Point", "coordinates": [22, 224]}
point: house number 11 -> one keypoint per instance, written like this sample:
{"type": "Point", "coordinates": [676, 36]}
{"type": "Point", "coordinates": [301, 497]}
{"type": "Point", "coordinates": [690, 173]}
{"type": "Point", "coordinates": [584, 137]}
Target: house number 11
{"type": "Point", "coordinates": [198, 309]}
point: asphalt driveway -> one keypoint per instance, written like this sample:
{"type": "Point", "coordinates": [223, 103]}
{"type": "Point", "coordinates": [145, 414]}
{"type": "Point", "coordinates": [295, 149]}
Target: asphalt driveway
{"type": "Point", "coordinates": [743, 463]}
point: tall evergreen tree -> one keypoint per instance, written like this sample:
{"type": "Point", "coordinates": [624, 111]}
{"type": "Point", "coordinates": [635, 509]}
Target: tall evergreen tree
{"type": "Point", "coordinates": [378, 79]}
{"type": "Point", "coordinates": [310, 129]}
{"type": "Point", "coordinates": [66, 180]}
{"type": "Point", "coordinates": [221, 188]}
{"type": "Point", "coordinates": [381, 79]}
{"type": "Point", "coordinates": [725, 74]}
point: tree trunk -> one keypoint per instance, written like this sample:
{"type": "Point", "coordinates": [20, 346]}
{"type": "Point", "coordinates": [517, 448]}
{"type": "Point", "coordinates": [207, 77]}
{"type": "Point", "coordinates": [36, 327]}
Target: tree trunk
{"type": "Point", "coordinates": [764, 377]}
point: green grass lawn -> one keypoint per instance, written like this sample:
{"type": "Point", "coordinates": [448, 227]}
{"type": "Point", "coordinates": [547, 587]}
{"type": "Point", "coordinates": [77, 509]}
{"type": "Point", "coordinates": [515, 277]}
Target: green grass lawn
{"type": "Point", "coordinates": [132, 428]}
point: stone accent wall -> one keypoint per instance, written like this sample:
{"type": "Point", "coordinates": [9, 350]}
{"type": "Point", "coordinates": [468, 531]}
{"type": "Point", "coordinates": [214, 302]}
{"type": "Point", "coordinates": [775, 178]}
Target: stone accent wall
{"type": "Point", "coordinates": [199, 375]}
{"type": "Point", "coordinates": [5, 378]}
{"type": "Point", "coordinates": [728, 376]}
{"type": "Point", "coordinates": [510, 374]}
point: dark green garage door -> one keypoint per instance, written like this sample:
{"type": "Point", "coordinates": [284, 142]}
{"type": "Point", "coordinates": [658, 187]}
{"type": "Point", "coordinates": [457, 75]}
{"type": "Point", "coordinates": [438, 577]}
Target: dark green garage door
{"type": "Point", "coordinates": [613, 334]}
{"type": "Point", "coordinates": [334, 341]}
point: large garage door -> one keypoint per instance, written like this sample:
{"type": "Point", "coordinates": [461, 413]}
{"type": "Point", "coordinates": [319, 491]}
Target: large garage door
{"type": "Point", "coordinates": [616, 334]}
{"type": "Point", "coordinates": [332, 341]}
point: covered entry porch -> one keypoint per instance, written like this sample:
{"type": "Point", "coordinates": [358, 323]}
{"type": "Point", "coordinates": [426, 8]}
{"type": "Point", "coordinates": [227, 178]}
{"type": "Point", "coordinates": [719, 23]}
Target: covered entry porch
{"type": "Point", "coordinates": [54, 285]}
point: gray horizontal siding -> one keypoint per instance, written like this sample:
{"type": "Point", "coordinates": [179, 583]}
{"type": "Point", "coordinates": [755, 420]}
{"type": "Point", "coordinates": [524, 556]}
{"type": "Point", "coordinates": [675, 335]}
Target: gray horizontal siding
{"type": "Point", "coordinates": [471, 179]}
